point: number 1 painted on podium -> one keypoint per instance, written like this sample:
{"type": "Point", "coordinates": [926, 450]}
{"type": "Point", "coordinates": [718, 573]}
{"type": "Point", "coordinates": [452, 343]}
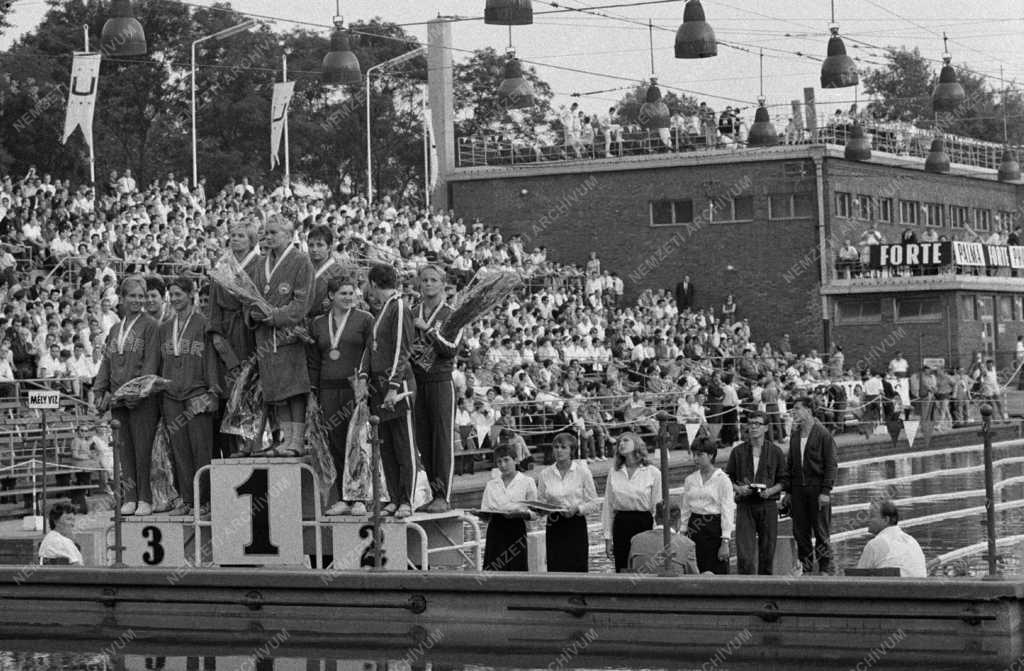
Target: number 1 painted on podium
{"type": "Point", "coordinates": [257, 488]}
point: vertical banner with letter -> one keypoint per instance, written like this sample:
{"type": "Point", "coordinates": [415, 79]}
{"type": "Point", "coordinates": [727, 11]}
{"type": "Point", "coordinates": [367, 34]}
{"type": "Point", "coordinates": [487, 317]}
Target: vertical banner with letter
{"type": "Point", "coordinates": [278, 110]}
{"type": "Point", "coordinates": [85, 75]}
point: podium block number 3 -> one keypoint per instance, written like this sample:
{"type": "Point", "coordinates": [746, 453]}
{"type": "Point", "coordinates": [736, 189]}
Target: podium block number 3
{"type": "Point", "coordinates": [257, 488]}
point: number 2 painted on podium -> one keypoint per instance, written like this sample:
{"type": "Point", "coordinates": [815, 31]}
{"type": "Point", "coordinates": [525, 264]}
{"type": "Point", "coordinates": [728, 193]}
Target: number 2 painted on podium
{"type": "Point", "coordinates": [257, 488]}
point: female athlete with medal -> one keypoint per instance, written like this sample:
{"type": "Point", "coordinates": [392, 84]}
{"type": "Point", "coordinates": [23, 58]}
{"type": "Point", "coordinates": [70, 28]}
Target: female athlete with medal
{"type": "Point", "coordinates": [339, 339]}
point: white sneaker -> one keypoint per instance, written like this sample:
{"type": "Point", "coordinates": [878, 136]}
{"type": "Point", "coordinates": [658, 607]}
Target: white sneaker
{"type": "Point", "coordinates": [339, 508]}
{"type": "Point", "coordinates": [144, 508]}
{"type": "Point", "coordinates": [128, 508]}
{"type": "Point", "coordinates": [358, 509]}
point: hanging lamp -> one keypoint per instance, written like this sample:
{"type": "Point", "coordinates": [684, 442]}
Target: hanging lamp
{"type": "Point", "coordinates": [508, 13]}
{"type": "Point", "coordinates": [1009, 168]}
{"type": "Point", "coordinates": [762, 132]}
{"type": "Point", "coordinates": [654, 113]}
{"type": "Point", "coordinates": [340, 65]}
{"type": "Point", "coordinates": [858, 144]}
{"type": "Point", "coordinates": [949, 93]}
{"type": "Point", "coordinates": [514, 92]}
{"type": "Point", "coordinates": [695, 37]}
{"type": "Point", "coordinates": [122, 33]}
{"type": "Point", "coordinates": [937, 160]}
{"type": "Point", "coordinates": [838, 70]}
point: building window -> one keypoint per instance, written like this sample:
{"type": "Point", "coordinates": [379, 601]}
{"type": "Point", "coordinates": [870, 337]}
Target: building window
{"type": "Point", "coordinates": [959, 216]}
{"type": "Point", "coordinates": [1005, 309]}
{"type": "Point", "coordinates": [909, 212]}
{"type": "Point", "coordinates": [927, 309]}
{"type": "Point", "coordinates": [1018, 308]}
{"type": "Point", "coordinates": [982, 219]}
{"type": "Point", "coordinates": [671, 212]}
{"type": "Point", "coordinates": [983, 308]}
{"type": "Point", "coordinates": [858, 311]}
{"type": "Point", "coordinates": [732, 209]}
{"type": "Point", "coordinates": [967, 309]}
{"type": "Point", "coordinates": [791, 206]}
{"type": "Point", "coordinates": [844, 204]}
{"type": "Point", "coordinates": [933, 214]}
{"type": "Point", "coordinates": [1006, 220]}
{"type": "Point", "coordinates": [863, 208]}
{"type": "Point", "coordinates": [885, 210]}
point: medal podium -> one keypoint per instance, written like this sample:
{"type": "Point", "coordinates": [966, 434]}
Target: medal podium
{"type": "Point", "coordinates": [266, 512]}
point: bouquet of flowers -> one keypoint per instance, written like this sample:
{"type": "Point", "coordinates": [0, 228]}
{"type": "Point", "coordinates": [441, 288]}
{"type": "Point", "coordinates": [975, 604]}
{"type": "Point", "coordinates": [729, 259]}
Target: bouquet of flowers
{"type": "Point", "coordinates": [316, 441]}
{"type": "Point", "coordinates": [161, 472]}
{"type": "Point", "coordinates": [138, 388]}
{"type": "Point", "coordinates": [243, 414]}
{"type": "Point", "coordinates": [483, 293]}
{"type": "Point", "coordinates": [356, 482]}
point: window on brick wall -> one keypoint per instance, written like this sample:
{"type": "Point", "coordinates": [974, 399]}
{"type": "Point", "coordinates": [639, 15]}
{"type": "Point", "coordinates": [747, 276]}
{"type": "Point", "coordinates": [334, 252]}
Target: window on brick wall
{"type": "Point", "coordinates": [909, 212]}
{"type": "Point", "coordinates": [858, 311]}
{"type": "Point", "coordinates": [671, 212]}
{"type": "Point", "coordinates": [844, 204]}
{"type": "Point", "coordinates": [1005, 309]}
{"type": "Point", "coordinates": [1018, 308]}
{"type": "Point", "coordinates": [933, 214]}
{"type": "Point", "coordinates": [1007, 220]}
{"type": "Point", "coordinates": [967, 309]}
{"type": "Point", "coordinates": [863, 208]}
{"type": "Point", "coordinates": [919, 309]}
{"type": "Point", "coordinates": [732, 209]}
{"type": "Point", "coordinates": [982, 219]}
{"type": "Point", "coordinates": [885, 214]}
{"type": "Point", "coordinates": [959, 216]}
{"type": "Point", "coordinates": [790, 206]}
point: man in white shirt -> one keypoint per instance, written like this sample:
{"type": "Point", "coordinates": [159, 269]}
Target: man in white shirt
{"type": "Point", "coordinates": [57, 546]}
{"type": "Point", "coordinates": [891, 546]}
{"type": "Point", "coordinates": [899, 365]}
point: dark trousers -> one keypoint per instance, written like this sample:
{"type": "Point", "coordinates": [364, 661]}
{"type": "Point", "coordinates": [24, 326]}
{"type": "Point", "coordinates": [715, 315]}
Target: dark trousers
{"type": "Point", "coordinates": [397, 456]}
{"type": "Point", "coordinates": [191, 439]}
{"type": "Point", "coordinates": [338, 405]}
{"type": "Point", "coordinates": [434, 420]}
{"type": "Point", "coordinates": [757, 527]}
{"type": "Point", "coordinates": [706, 533]}
{"type": "Point", "coordinates": [777, 430]}
{"type": "Point", "coordinates": [625, 525]}
{"type": "Point", "coordinates": [809, 519]}
{"type": "Point", "coordinates": [135, 448]}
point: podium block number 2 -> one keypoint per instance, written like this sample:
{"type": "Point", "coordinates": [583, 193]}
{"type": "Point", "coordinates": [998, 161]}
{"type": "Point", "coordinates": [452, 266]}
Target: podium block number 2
{"type": "Point", "coordinates": [258, 490]}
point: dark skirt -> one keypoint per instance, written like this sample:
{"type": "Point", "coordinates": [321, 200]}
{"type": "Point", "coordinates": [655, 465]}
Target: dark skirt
{"type": "Point", "coordinates": [567, 545]}
{"type": "Point", "coordinates": [505, 549]}
{"type": "Point", "coordinates": [706, 533]}
{"type": "Point", "coordinates": [625, 525]}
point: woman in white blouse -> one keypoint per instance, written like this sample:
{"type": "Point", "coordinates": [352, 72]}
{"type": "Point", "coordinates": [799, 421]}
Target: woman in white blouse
{"type": "Point", "coordinates": [569, 485]}
{"type": "Point", "coordinates": [632, 491]}
{"type": "Point", "coordinates": [504, 497]}
{"type": "Point", "coordinates": [709, 508]}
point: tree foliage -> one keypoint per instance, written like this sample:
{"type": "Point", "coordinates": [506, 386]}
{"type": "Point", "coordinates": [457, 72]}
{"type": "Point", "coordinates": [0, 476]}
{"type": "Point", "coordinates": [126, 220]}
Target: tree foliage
{"type": "Point", "coordinates": [476, 81]}
{"type": "Point", "coordinates": [902, 91]}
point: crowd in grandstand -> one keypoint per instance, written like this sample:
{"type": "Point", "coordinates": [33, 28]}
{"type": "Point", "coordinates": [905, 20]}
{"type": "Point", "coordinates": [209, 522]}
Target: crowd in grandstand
{"type": "Point", "coordinates": [565, 344]}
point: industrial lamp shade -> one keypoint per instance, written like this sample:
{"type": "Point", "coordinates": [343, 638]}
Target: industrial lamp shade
{"type": "Point", "coordinates": [654, 113]}
{"type": "Point", "coordinates": [122, 33]}
{"type": "Point", "coordinates": [695, 37]}
{"type": "Point", "coordinates": [1009, 169]}
{"type": "Point", "coordinates": [937, 160]}
{"type": "Point", "coordinates": [762, 131]}
{"type": "Point", "coordinates": [340, 65]}
{"type": "Point", "coordinates": [838, 71]}
{"type": "Point", "coordinates": [949, 93]}
{"type": "Point", "coordinates": [508, 12]}
{"type": "Point", "coordinates": [858, 144]}
{"type": "Point", "coordinates": [515, 91]}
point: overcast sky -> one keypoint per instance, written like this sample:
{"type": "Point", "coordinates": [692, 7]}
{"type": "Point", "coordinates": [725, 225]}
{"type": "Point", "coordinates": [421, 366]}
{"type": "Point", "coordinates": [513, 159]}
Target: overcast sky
{"type": "Point", "coordinates": [983, 36]}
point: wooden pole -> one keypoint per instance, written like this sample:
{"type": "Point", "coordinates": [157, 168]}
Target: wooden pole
{"type": "Point", "coordinates": [115, 426]}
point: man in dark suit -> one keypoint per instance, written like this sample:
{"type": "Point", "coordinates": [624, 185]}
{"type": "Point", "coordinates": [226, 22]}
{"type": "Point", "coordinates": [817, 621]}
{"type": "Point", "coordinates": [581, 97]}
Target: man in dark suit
{"type": "Point", "coordinates": [684, 294]}
{"type": "Point", "coordinates": [758, 472]}
{"type": "Point", "coordinates": [811, 469]}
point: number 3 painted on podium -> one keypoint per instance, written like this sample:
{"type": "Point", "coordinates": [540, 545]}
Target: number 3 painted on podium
{"type": "Point", "coordinates": [153, 535]}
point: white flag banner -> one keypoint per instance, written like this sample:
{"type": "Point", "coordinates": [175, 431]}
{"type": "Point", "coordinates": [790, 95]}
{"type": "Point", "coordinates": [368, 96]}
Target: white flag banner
{"type": "Point", "coordinates": [691, 432]}
{"type": "Point", "coordinates": [278, 110]}
{"type": "Point", "coordinates": [910, 428]}
{"type": "Point", "coordinates": [85, 76]}
{"type": "Point", "coordinates": [433, 152]}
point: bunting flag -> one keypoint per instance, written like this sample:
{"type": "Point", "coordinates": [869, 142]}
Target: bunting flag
{"type": "Point", "coordinates": [691, 433]}
{"type": "Point", "coordinates": [881, 430]}
{"type": "Point", "coordinates": [910, 427]}
{"type": "Point", "coordinates": [714, 430]}
{"type": "Point", "coordinates": [278, 110]}
{"type": "Point", "coordinates": [85, 75]}
{"type": "Point", "coordinates": [433, 150]}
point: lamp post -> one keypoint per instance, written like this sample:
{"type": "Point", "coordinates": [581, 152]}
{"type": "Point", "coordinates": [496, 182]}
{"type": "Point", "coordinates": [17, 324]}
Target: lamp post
{"type": "Point", "coordinates": [220, 35]}
{"type": "Point", "coordinates": [407, 56]}
{"type": "Point", "coordinates": [990, 493]}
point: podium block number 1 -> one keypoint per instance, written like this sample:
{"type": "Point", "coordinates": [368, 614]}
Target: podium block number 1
{"type": "Point", "coordinates": [258, 490]}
